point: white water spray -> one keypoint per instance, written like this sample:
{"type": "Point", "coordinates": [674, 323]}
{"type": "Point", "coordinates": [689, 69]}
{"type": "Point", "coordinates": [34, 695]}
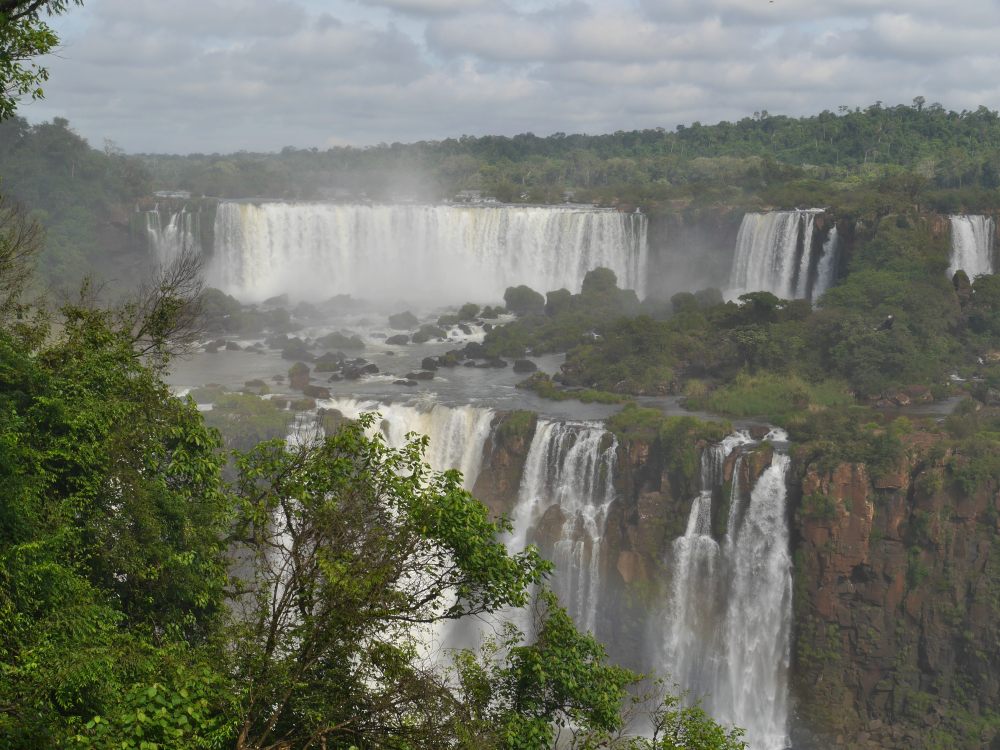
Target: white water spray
{"type": "Point", "coordinates": [774, 253]}
{"type": "Point", "coordinates": [180, 234]}
{"type": "Point", "coordinates": [729, 618]}
{"type": "Point", "coordinates": [569, 470]}
{"type": "Point", "coordinates": [457, 434]}
{"type": "Point", "coordinates": [972, 245]}
{"type": "Point", "coordinates": [435, 252]}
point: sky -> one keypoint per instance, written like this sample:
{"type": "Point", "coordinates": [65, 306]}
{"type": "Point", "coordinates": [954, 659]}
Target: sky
{"type": "Point", "coordinates": [207, 76]}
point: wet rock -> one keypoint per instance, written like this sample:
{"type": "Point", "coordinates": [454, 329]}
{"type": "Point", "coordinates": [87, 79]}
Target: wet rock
{"type": "Point", "coordinates": [404, 382]}
{"type": "Point", "coordinates": [356, 370]}
{"type": "Point", "coordinates": [429, 363]}
{"type": "Point", "coordinates": [316, 391]}
{"type": "Point", "coordinates": [420, 375]}
{"type": "Point", "coordinates": [297, 349]}
{"type": "Point", "coordinates": [211, 348]}
{"type": "Point", "coordinates": [428, 332]}
{"type": "Point", "coordinates": [298, 376]}
{"type": "Point", "coordinates": [403, 321]}
{"type": "Point", "coordinates": [400, 339]}
{"type": "Point", "coordinates": [232, 346]}
{"type": "Point", "coordinates": [256, 387]}
{"type": "Point", "coordinates": [474, 350]}
{"type": "Point", "coordinates": [338, 340]}
{"type": "Point", "coordinates": [450, 359]}
{"type": "Point", "coordinates": [330, 362]}
{"type": "Point", "coordinates": [465, 329]}
{"type": "Point", "coordinates": [524, 365]}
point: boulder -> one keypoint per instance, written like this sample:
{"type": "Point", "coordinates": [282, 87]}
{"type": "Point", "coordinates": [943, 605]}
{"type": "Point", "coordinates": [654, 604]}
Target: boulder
{"type": "Point", "coordinates": [524, 365]}
{"type": "Point", "coordinates": [338, 340]}
{"type": "Point", "coordinates": [316, 391]}
{"type": "Point", "coordinates": [404, 382]}
{"type": "Point", "coordinates": [474, 350]}
{"type": "Point", "coordinates": [232, 346]}
{"type": "Point", "coordinates": [256, 387]}
{"type": "Point", "coordinates": [403, 321]}
{"type": "Point", "coordinates": [298, 376]}
{"type": "Point", "coordinates": [429, 363]}
{"type": "Point", "coordinates": [420, 375]}
{"type": "Point", "coordinates": [400, 339]}
{"type": "Point", "coordinates": [297, 349]}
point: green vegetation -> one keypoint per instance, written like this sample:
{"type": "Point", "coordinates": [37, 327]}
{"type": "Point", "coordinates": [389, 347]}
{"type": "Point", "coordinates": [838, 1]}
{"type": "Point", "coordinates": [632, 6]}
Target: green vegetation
{"type": "Point", "coordinates": [244, 420]}
{"type": "Point", "coordinates": [23, 36]}
{"type": "Point", "coordinates": [675, 438]}
{"type": "Point", "coordinates": [878, 158]}
{"type": "Point", "coordinates": [542, 384]}
{"type": "Point", "coordinates": [146, 602]}
{"type": "Point", "coordinates": [80, 195]}
{"type": "Point", "coordinates": [772, 396]}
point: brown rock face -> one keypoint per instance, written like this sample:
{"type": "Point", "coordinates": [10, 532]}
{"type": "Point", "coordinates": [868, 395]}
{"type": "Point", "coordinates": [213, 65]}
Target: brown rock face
{"type": "Point", "coordinates": [503, 461]}
{"type": "Point", "coordinates": [897, 605]}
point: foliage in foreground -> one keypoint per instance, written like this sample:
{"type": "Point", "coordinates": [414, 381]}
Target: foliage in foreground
{"type": "Point", "coordinates": [146, 603]}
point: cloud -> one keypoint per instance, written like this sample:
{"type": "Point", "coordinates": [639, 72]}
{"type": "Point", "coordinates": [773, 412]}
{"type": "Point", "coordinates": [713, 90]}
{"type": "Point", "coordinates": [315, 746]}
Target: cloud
{"type": "Point", "coordinates": [427, 7]}
{"type": "Point", "coordinates": [224, 75]}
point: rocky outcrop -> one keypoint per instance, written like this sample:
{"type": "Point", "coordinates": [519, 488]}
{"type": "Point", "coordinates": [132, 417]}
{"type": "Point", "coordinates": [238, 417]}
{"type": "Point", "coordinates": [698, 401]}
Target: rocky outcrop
{"type": "Point", "coordinates": [504, 455]}
{"type": "Point", "coordinates": [897, 608]}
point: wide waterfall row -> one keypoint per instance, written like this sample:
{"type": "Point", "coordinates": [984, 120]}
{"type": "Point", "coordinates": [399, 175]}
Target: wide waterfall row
{"type": "Point", "coordinates": [436, 253]}
{"type": "Point", "coordinates": [180, 234]}
{"type": "Point", "coordinates": [457, 434]}
{"type": "Point", "coordinates": [562, 506]}
{"type": "Point", "coordinates": [728, 620]}
{"type": "Point", "coordinates": [780, 252]}
{"type": "Point", "coordinates": [972, 245]}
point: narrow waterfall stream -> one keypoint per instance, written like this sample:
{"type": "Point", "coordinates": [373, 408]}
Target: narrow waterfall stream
{"type": "Point", "coordinates": [566, 491]}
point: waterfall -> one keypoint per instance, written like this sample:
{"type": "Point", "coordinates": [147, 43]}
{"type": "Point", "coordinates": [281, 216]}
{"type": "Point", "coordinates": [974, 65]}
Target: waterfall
{"type": "Point", "coordinates": [727, 636]}
{"type": "Point", "coordinates": [826, 270]}
{"type": "Point", "coordinates": [566, 491]}
{"type": "Point", "coordinates": [775, 253]}
{"type": "Point", "coordinates": [439, 252]}
{"type": "Point", "coordinates": [972, 242]}
{"type": "Point", "coordinates": [457, 434]}
{"type": "Point", "coordinates": [181, 233]}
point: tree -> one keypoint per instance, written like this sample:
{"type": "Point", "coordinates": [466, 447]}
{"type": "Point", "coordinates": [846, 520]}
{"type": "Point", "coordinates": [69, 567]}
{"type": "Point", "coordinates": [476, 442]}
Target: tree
{"type": "Point", "coordinates": [20, 242]}
{"type": "Point", "coordinates": [350, 552]}
{"type": "Point", "coordinates": [24, 36]}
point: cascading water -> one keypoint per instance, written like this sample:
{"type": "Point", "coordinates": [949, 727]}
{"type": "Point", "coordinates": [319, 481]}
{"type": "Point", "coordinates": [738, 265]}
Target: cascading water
{"type": "Point", "coordinates": [569, 472]}
{"type": "Point", "coordinates": [450, 253]}
{"type": "Point", "coordinates": [180, 234]}
{"type": "Point", "coordinates": [775, 253]}
{"type": "Point", "coordinates": [457, 434]}
{"type": "Point", "coordinates": [826, 269]}
{"type": "Point", "coordinates": [972, 245]}
{"type": "Point", "coordinates": [727, 635]}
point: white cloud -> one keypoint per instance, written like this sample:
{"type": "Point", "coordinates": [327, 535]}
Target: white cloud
{"type": "Point", "coordinates": [223, 75]}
